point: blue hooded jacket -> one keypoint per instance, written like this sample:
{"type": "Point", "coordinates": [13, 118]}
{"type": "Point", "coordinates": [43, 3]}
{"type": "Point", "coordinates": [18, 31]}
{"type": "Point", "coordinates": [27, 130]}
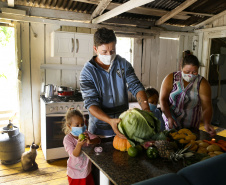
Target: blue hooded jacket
{"type": "Point", "coordinates": [108, 90]}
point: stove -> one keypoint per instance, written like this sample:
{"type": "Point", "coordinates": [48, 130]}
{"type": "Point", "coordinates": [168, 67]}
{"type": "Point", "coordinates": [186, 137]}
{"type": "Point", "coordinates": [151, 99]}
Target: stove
{"type": "Point", "coordinates": [56, 98]}
{"type": "Point", "coordinates": [60, 104]}
{"type": "Point", "coordinates": [53, 111]}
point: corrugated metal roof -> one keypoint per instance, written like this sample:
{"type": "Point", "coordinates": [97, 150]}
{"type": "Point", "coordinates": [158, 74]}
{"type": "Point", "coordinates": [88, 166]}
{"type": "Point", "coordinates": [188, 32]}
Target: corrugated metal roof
{"type": "Point", "coordinates": [201, 6]}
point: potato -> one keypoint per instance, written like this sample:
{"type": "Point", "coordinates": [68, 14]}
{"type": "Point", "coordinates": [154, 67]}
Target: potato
{"type": "Point", "coordinates": [213, 147]}
{"type": "Point", "coordinates": [211, 154]}
{"type": "Point", "coordinates": [203, 144]}
{"type": "Point", "coordinates": [202, 150]}
{"type": "Point", "coordinates": [218, 152]}
{"type": "Point", "coordinates": [198, 141]}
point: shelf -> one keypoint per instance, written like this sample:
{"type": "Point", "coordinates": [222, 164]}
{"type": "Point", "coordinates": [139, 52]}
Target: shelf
{"type": "Point", "coordinates": [61, 66]}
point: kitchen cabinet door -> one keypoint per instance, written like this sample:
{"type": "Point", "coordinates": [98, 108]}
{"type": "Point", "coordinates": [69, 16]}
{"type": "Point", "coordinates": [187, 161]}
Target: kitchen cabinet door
{"type": "Point", "coordinates": [67, 44]}
{"type": "Point", "coordinates": [62, 44]}
{"type": "Point", "coordinates": [83, 45]}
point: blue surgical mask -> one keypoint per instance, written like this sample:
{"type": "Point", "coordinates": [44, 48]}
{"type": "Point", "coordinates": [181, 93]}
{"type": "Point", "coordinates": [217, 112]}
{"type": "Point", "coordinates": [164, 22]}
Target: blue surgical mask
{"type": "Point", "coordinates": [75, 131]}
{"type": "Point", "coordinates": [152, 107]}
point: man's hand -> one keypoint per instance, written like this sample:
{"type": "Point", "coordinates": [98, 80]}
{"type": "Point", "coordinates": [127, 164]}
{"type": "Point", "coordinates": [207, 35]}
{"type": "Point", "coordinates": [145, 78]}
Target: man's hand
{"type": "Point", "coordinates": [114, 124]}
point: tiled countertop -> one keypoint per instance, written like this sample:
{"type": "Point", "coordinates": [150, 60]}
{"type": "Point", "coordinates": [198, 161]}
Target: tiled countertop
{"type": "Point", "coordinates": [122, 169]}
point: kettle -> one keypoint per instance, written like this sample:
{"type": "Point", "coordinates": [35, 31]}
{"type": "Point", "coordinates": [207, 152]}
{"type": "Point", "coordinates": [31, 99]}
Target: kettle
{"type": "Point", "coordinates": [49, 90]}
{"type": "Point", "coordinates": [218, 59]}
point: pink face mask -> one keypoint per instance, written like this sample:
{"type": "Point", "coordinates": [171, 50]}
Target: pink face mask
{"type": "Point", "coordinates": [189, 77]}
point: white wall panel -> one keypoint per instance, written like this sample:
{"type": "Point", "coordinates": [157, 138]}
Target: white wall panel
{"type": "Point", "coordinates": [37, 58]}
{"type": "Point", "coordinates": [25, 91]}
{"type": "Point", "coordinates": [52, 76]}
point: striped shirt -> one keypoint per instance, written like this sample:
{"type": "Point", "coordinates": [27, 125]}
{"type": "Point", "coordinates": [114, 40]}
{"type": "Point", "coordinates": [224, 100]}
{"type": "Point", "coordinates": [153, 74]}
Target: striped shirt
{"type": "Point", "coordinates": [185, 104]}
{"type": "Point", "coordinates": [77, 167]}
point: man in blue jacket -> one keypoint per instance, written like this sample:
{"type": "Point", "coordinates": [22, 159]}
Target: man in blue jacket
{"type": "Point", "coordinates": [104, 82]}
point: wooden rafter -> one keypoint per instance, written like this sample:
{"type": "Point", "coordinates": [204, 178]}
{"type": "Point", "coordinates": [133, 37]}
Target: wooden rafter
{"type": "Point", "coordinates": [148, 11]}
{"type": "Point", "coordinates": [175, 11]}
{"type": "Point", "coordinates": [120, 9]}
{"type": "Point", "coordinates": [100, 8]}
{"type": "Point", "coordinates": [44, 20]}
{"type": "Point", "coordinates": [210, 19]}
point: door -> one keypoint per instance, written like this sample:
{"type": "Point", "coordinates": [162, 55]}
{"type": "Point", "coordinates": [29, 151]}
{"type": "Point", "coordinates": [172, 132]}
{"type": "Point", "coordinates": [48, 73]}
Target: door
{"type": "Point", "coordinates": [83, 45]}
{"type": "Point", "coordinates": [62, 44]}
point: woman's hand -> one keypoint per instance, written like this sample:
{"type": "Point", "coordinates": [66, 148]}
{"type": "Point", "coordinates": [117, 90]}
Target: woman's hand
{"type": "Point", "coordinates": [114, 124]}
{"type": "Point", "coordinates": [210, 130]}
{"type": "Point", "coordinates": [172, 123]}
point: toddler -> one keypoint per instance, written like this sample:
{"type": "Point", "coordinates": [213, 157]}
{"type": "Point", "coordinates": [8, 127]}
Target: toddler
{"type": "Point", "coordinates": [78, 165]}
{"type": "Point", "coordinates": [153, 98]}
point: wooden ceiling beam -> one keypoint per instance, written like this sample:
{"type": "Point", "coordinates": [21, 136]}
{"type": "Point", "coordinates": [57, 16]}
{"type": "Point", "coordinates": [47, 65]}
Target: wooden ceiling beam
{"type": "Point", "coordinates": [120, 9]}
{"type": "Point", "coordinates": [175, 11]}
{"type": "Point", "coordinates": [46, 20]}
{"type": "Point", "coordinates": [100, 8]}
{"type": "Point", "coordinates": [148, 11]}
{"type": "Point", "coordinates": [210, 19]}
{"type": "Point", "coordinates": [130, 22]}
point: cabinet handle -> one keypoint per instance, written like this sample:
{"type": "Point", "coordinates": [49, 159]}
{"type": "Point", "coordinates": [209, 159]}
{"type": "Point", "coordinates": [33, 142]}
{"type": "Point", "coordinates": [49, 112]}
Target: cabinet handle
{"type": "Point", "coordinates": [73, 44]}
{"type": "Point", "coordinates": [77, 45]}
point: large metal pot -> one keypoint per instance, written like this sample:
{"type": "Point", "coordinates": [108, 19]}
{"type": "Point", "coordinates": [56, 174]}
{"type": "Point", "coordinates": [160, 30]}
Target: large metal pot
{"type": "Point", "coordinates": [65, 91]}
{"type": "Point", "coordinates": [49, 90]}
{"type": "Point", "coordinates": [61, 89]}
{"type": "Point", "coordinates": [12, 144]}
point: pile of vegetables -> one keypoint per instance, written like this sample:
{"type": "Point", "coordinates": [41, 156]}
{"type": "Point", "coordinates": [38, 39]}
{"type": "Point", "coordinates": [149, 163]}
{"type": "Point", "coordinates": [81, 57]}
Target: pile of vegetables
{"type": "Point", "coordinates": [138, 126]}
{"type": "Point", "coordinates": [142, 130]}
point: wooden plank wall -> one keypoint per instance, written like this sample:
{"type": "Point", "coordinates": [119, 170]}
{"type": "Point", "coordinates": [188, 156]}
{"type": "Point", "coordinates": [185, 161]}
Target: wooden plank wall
{"type": "Point", "coordinates": [35, 47]}
{"type": "Point", "coordinates": [162, 56]}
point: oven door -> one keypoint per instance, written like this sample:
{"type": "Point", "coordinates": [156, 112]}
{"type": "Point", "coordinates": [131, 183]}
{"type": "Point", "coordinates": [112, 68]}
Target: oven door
{"type": "Point", "coordinates": [54, 133]}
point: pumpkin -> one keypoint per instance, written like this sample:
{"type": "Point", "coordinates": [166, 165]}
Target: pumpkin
{"type": "Point", "coordinates": [121, 144]}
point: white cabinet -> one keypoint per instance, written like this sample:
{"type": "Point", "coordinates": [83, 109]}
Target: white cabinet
{"type": "Point", "coordinates": [67, 44]}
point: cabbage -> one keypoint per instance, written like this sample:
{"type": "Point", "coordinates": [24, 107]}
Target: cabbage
{"type": "Point", "coordinates": [138, 126]}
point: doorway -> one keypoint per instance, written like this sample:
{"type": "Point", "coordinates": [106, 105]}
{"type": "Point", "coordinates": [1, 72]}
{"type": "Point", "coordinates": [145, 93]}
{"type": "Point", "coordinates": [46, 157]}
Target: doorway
{"type": "Point", "coordinates": [217, 80]}
{"type": "Point", "coordinates": [8, 77]}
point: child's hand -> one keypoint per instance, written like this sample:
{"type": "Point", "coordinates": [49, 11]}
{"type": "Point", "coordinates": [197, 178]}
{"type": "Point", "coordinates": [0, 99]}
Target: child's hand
{"type": "Point", "coordinates": [87, 138]}
{"type": "Point", "coordinates": [81, 142]}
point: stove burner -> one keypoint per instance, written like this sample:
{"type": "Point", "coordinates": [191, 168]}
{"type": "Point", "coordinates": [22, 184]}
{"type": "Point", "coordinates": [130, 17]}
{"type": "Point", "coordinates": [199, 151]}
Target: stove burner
{"type": "Point", "coordinates": [75, 98]}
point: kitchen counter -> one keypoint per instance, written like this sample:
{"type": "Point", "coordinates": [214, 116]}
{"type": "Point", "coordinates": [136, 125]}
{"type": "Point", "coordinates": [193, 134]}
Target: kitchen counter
{"type": "Point", "coordinates": [122, 169]}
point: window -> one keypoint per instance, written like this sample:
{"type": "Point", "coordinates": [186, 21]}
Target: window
{"type": "Point", "coordinates": [8, 76]}
{"type": "Point", "coordinates": [124, 48]}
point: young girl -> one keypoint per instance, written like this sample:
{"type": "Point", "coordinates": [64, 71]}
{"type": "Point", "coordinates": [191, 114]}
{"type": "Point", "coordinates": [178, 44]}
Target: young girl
{"type": "Point", "coordinates": [153, 98]}
{"type": "Point", "coordinates": [78, 165]}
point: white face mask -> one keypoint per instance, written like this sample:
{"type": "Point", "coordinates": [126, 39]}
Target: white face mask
{"type": "Point", "coordinates": [188, 77]}
{"type": "Point", "coordinates": [106, 59]}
